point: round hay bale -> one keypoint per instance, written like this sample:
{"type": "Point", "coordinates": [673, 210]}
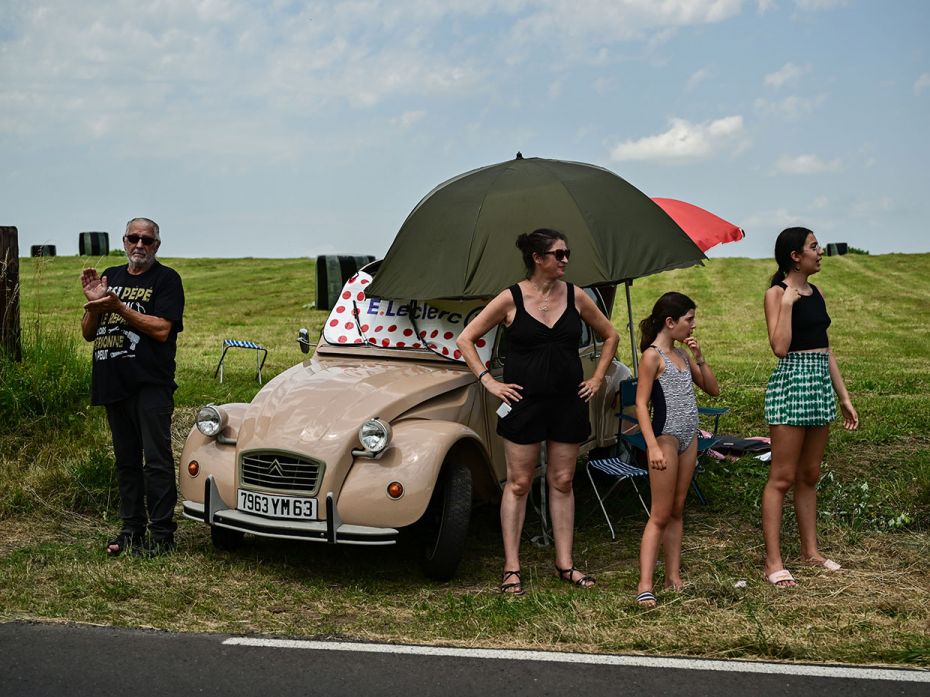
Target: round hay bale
{"type": "Point", "coordinates": [42, 250]}
{"type": "Point", "coordinates": [93, 244]}
{"type": "Point", "coordinates": [332, 272]}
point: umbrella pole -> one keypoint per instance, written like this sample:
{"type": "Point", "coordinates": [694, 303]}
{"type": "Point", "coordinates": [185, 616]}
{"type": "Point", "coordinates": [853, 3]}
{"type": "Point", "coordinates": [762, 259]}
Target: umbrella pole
{"type": "Point", "coordinates": [629, 314]}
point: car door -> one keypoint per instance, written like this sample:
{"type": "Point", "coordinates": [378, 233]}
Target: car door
{"type": "Point", "coordinates": [603, 405]}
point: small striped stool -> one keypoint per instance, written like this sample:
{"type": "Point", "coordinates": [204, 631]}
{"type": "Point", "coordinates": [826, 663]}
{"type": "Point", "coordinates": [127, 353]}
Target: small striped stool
{"type": "Point", "coordinates": [261, 353]}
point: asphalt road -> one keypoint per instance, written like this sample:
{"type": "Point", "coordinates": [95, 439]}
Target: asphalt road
{"type": "Point", "coordinates": [45, 659]}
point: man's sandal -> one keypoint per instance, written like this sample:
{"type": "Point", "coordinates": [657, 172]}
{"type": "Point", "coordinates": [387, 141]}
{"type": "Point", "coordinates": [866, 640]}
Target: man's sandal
{"type": "Point", "coordinates": [586, 581]}
{"type": "Point", "coordinates": [125, 540]}
{"type": "Point", "coordinates": [511, 587]}
{"type": "Point", "coordinates": [646, 599]}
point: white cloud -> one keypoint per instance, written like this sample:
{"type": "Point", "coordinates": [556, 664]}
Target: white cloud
{"type": "Point", "coordinates": [697, 77]}
{"type": "Point", "coordinates": [177, 75]}
{"type": "Point", "coordinates": [818, 5]}
{"type": "Point", "coordinates": [820, 202]}
{"type": "Point", "coordinates": [409, 118]}
{"type": "Point", "coordinates": [79, 70]}
{"type": "Point", "coordinates": [791, 108]}
{"type": "Point", "coordinates": [789, 73]}
{"type": "Point", "coordinates": [763, 6]}
{"type": "Point", "coordinates": [922, 83]}
{"type": "Point", "coordinates": [603, 85]}
{"type": "Point", "coordinates": [869, 208]}
{"type": "Point", "coordinates": [619, 20]}
{"type": "Point", "coordinates": [684, 141]}
{"type": "Point", "coordinates": [806, 164]}
{"type": "Point", "coordinates": [771, 221]}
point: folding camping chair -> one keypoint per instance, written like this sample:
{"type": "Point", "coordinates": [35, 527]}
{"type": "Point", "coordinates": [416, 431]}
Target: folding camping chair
{"type": "Point", "coordinates": [261, 353]}
{"type": "Point", "coordinates": [630, 442]}
{"type": "Point", "coordinates": [621, 467]}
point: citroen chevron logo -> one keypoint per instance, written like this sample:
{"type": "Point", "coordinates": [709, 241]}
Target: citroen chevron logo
{"type": "Point", "coordinates": [275, 468]}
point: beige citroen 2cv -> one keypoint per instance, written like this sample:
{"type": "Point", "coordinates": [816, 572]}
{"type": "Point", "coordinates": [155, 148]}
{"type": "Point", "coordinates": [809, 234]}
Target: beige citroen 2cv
{"type": "Point", "coordinates": [382, 429]}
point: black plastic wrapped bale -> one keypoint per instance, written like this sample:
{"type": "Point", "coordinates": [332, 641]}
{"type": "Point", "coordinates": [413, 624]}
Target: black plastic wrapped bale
{"type": "Point", "coordinates": [332, 272]}
{"type": "Point", "coordinates": [42, 250]}
{"type": "Point", "coordinates": [837, 248]}
{"type": "Point", "coordinates": [93, 244]}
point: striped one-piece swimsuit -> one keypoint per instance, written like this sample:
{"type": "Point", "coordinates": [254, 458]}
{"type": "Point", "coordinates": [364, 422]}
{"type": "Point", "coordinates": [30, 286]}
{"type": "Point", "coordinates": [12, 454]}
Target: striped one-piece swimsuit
{"type": "Point", "coordinates": [674, 406]}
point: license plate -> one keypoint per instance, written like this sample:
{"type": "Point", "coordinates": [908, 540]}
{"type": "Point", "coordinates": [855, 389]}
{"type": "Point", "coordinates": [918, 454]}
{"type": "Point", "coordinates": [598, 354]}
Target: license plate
{"type": "Point", "coordinates": [277, 506]}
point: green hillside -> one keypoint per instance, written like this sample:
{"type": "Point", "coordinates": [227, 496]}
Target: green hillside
{"type": "Point", "coordinates": [57, 500]}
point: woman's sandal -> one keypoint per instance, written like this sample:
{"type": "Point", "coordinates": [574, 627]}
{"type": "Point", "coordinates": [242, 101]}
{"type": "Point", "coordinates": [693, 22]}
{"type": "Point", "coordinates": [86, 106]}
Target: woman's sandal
{"type": "Point", "coordinates": [585, 581]}
{"type": "Point", "coordinates": [827, 564]}
{"type": "Point", "coordinates": [511, 587]}
{"type": "Point", "coordinates": [646, 599]}
{"type": "Point", "coordinates": [781, 579]}
{"type": "Point", "coordinates": [125, 540]}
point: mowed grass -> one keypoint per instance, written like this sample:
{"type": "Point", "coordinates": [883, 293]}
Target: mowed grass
{"type": "Point", "coordinates": [875, 495]}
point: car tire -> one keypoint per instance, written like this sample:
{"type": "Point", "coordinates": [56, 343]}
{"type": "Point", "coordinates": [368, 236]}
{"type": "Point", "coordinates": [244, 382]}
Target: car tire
{"type": "Point", "coordinates": [226, 539]}
{"type": "Point", "coordinates": [446, 521]}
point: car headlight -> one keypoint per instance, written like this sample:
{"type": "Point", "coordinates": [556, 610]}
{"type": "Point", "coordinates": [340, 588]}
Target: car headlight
{"type": "Point", "coordinates": [374, 435]}
{"type": "Point", "coordinates": [211, 420]}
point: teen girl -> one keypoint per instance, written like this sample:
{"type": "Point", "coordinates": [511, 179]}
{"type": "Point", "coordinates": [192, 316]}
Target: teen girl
{"type": "Point", "coordinates": [799, 401]}
{"type": "Point", "coordinates": [666, 374]}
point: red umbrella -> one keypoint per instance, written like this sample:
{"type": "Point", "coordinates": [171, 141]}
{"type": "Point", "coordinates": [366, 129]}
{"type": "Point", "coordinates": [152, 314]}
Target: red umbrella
{"type": "Point", "coordinates": [705, 229]}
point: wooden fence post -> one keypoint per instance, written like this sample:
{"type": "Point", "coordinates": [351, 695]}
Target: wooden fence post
{"type": "Point", "coordinates": [10, 337]}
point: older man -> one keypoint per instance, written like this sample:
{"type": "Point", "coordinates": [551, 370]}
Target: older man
{"type": "Point", "coordinates": [133, 315]}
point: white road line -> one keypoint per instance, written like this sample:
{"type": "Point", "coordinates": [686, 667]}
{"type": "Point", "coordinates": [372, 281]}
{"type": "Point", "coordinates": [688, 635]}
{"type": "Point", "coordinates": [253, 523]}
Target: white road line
{"type": "Point", "coordinates": [734, 666]}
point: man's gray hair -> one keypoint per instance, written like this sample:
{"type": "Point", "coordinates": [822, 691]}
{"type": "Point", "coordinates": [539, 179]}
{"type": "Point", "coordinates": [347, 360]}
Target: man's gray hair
{"type": "Point", "coordinates": [145, 220]}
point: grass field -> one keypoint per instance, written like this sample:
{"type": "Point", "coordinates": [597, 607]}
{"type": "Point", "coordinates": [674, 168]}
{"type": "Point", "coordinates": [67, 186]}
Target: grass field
{"type": "Point", "coordinates": [57, 502]}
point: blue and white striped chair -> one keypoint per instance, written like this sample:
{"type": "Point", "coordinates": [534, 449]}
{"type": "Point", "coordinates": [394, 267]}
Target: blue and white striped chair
{"type": "Point", "coordinates": [622, 468]}
{"type": "Point", "coordinates": [261, 353]}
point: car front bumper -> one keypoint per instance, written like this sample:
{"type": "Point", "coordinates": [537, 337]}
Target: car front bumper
{"type": "Point", "coordinates": [215, 511]}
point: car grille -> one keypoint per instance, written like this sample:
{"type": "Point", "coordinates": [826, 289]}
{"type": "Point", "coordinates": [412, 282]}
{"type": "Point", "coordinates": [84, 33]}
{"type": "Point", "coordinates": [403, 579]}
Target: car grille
{"type": "Point", "coordinates": [281, 471]}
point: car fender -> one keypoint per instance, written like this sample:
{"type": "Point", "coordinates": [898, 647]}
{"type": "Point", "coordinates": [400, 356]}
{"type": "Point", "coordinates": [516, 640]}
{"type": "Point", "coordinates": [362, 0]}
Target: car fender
{"type": "Point", "coordinates": [414, 458]}
{"type": "Point", "coordinates": [213, 458]}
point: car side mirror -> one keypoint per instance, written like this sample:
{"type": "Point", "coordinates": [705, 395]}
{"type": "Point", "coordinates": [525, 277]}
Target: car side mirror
{"type": "Point", "coordinates": [303, 338]}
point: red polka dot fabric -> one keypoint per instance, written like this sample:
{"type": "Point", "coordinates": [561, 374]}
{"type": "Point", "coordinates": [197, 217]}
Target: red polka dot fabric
{"type": "Point", "coordinates": [394, 323]}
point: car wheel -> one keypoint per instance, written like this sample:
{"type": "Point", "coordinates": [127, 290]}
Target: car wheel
{"type": "Point", "coordinates": [226, 539]}
{"type": "Point", "coordinates": [445, 523]}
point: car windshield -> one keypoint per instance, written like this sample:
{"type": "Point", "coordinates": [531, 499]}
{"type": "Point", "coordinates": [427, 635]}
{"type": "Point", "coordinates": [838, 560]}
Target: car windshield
{"type": "Point", "coordinates": [361, 320]}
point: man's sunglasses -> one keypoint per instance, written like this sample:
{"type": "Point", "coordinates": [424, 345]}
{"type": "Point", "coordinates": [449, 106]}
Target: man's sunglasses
{"type": "Point", "coordinates": [135, 239]}
{"type": "Point", "coordinates": [560, 254]}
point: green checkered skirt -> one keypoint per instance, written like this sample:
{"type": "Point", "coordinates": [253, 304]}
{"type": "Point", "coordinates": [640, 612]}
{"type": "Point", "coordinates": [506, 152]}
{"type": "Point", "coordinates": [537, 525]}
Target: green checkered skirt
{"type": "Point", "coordinates": [800, 391]}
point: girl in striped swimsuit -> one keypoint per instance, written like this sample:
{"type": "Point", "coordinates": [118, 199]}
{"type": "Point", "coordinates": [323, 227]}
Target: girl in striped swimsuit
{"type": "Point", "coordinates": [666, 374]}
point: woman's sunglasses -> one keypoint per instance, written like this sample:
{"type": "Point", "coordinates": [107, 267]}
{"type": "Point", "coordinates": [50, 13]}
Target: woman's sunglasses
{"type": "Point", "coordinates": [135, 239]}
{"type": "Point", "coordinates": [560, 254]}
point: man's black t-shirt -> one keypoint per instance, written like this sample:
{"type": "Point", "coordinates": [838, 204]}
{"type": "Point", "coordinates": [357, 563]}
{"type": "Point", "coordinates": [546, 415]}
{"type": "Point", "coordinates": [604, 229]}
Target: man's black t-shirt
{"type": "Point", "coordinates": [124, 358]}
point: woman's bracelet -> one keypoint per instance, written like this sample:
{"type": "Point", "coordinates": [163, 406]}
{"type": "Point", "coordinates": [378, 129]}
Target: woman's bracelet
{"type": "Point", "coordinates": [701, 362]}
{"type": "Point", "coordinates": [482, 374]}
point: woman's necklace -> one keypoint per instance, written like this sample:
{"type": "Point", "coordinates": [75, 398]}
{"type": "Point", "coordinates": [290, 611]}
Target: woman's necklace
{"type": "Point", "coordinates": [543, 305]}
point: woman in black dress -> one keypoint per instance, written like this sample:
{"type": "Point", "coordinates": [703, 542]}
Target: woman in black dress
{"type": "Point", "coordinates": [544, 386]}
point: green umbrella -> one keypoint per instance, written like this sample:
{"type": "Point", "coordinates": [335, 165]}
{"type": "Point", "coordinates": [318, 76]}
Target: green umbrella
{"type": "Point", "coordinates": [459, 241]}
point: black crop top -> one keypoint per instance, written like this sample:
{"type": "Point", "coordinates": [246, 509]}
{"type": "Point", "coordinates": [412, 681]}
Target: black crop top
{"type": "Point", "coordinates": [809, 322]}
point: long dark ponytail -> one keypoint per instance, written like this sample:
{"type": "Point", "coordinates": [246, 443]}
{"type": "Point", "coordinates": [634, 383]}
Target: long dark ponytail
{"type": "Point", "coordinates": [672, 305]}
{"type": "Point", "coordinates": [789, 240]}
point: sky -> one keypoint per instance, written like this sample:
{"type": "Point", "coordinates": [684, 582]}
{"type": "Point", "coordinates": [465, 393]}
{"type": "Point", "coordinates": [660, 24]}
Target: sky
{"type": "Point", "coordinates": [289, 128]}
